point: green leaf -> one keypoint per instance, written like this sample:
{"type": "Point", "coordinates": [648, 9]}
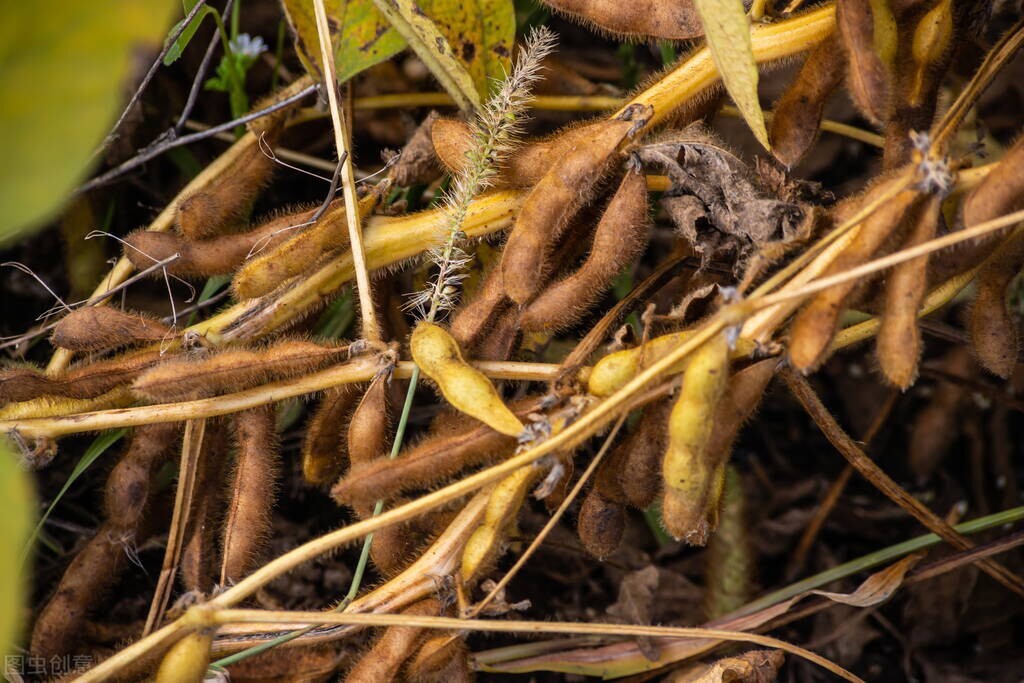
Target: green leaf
{"type": "Point", "coordinates": [98, 447]}
{"type": "Point", "coordinates": [480, 35]}
{"type": "Point", "coordinates": [727, 30]}
{"type": "Point", "coordinates": [186, 36]}
{"type": "Point", "coordinates": [15, 523]}
{"type": "Point", "coordinates": [63, 69]}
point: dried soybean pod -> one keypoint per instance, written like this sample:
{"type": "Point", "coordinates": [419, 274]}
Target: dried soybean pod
{"type": "Point", "coordinates": [101, 328]}
{"type": "Point", "coordinates": [215, 256]}
{"type": "Point", "coordinates": [898, 345]}
{"type": "Point", "coordinates": [690, 476]}
{"type": "Point", "coordinates": [601, 524]}
{"type": "Point", "coordinates": [937, 426]}
{"type": "Point", "coordinates": [816, 323]}
{"type": "Point", "coordinates": [438, 659]}
{"type": "Point", "coordinates": [994, 335]}
{"type": "Point", "coordinates": [234, 370]}
{"type": "Point", "coordinates": [613, 371]}
{"type": "Point", "coordinates": [867, 29]}
{"type": "Point", "coordinates": [200, 556]}
{"type": "Point", "coordinates": [729, 561]}
{"type": "Point", "coordinates": [664, 19]}
{"type": "Point", "coordinates": [96, 568]}
{"type": "Point", "coordinates": [385, 660]}
{"type": "Point", "coordinates": [1002, 190]}
{"type": "Point", "coordinates": [796, 117]}
{"type": "Point", "coordinates": [640, 477]}
{"type": "Point", "coordinates": [428, 463]}
{"type": "Point", "coordinates": [417, 164]}
{"type": "Point", "coordinates": [619, 238]}
{"type": "Point", "coordinates": [324, 450]}
{"type": "Point", "coordinates": [746, 389]}
{"type": "Point", "coordinates": [84, 380]}
{"type": "Point", "coordinates": [503, 505]}
{"type": "Point", "coordinates": [226, 202]}
{"type": "Point", "coordinates": [252, 492]}
{"type": "Point", "coordinates": [552, 202]}
{"type": "Point", "coordinates": [188, 659]}
{"type": "Point", "coordinates": [477, 315]}
{"type": "Point", "coordinates": [463, 386]}
{"type": "Point", "coordinates": [930, 48]}
{"type": "Point", "coordinates": [301, 251]}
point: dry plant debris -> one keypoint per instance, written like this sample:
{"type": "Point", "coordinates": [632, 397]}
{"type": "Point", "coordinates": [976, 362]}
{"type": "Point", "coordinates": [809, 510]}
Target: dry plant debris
{"type": "Point", "coordinates": [525, 364]}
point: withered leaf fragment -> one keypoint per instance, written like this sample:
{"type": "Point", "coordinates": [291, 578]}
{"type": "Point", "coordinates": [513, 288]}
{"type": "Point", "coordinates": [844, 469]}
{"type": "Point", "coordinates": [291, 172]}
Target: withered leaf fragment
{"type": "Point", "coordinates": [711, 185]}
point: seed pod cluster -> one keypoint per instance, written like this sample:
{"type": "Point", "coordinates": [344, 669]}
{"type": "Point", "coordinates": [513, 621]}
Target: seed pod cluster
{"type": "Point", "coordinates": [467, 389]}
{"type": "Point", "coordinates": [96, 568]}
{"type": "Point", "coordinates": [816, 323]}
{"type": "Point", "coordinates": [619, 238]}
{"type": "Point", "coordinates": [545, 212]}
{"type": "Point", "coordinates": [227, 371]}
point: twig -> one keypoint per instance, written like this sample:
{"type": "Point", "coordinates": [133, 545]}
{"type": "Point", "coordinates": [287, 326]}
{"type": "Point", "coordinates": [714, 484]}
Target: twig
{"type": "Point", "coordinates": [152, 71]}
{"type": "Point", "coordinates": [197, 82]}
{"type": "Point", "coordinates": [371, 330]}
{"type": "Point", "coordinates": [869, 470]}
{"type": "Point", "coordinates": [169, 141]}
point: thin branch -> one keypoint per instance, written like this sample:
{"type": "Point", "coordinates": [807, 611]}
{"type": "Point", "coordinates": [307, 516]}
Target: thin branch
{"type": "Point", "coordinates": [371, 330]}
{"type": "Point", "coordinates": [197, 82]}
{"type": "Point", "coordinates": [169, 141]}
{"type": "Point", "coordinates": [849, 449]}
{"type": "Point", "coordinates": [152, 72]}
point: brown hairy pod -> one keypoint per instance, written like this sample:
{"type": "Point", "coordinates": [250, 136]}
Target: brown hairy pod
{"type": "Point", "coordinates": [303, 249]}
{"type": "Point", "coordinates": [568, 184]}
{"type": "Point", "coordinates": [796, 117]}
{"type": "Point", "coordinates": [645, 19]}
{"type": "Point", "coordinates": [252, 485]}
{"type": "Point", "coordinates": [898, 344]}
{"type": "Point", "coordinates": [601, 524]}
{"type": "Point", "coordinates": [477, 314]}
{"type": "Point", "coordinates": [386, 658]}
{"type": "Point", "coordinates": [96, 568]}
{"type": "Point", "coordinates": [816, 323]}
{"type": "Point", "coordinates": [433, 460]}
{"type": "Point", "coordinates": [640, 475]}
{"type": "Point", "coordinates": [324, 448]}
{"type": "Point", "coordinates": [219, 255]}
{"type": "Point", "coordinates": [867, 29]}
{"type": "Point", "coordinates": [81, 381]}
{"type": "Point", "coordinates": [226, 202]}
{"type": "Point", "coordinates": [743, 396]}
{"type": "Point", "coordinates": [102, 328]}
{"type": "Point", "coordinates": [200, 564]}
{"type": "Point", "coordinates": [994, 336]}
{"type": "Point", "coordinates": [619, 238]}
{"type": "Point", "coordinates": [527, 164]}
{"type": "Point", "coordinates": [440, 659]}
{"type": "Point", "coordinates": [233, 370]}
{"type": "Point", "coordinates": [500, 341]}
{"type": "Point", "coordinates": [1001, 192]}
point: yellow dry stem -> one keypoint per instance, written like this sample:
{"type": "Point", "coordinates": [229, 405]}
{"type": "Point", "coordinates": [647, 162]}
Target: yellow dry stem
{"type": "Point", "coordinates": [690, 476]}
{"type": "Point", "coordinates": [502, 506]}
{"type": "Point", "coordinates": [187, 660]}
{"type": "Point", "coordinates": [613, 371]}
{"type": "Point", "coordinates": [467, 389]}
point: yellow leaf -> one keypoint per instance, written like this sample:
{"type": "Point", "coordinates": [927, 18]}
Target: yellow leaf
{"type": "Point", "coordinates": [728, 34]}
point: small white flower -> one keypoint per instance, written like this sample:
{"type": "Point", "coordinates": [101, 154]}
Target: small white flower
{"type": "Point", "coordinates": [246, 45]}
